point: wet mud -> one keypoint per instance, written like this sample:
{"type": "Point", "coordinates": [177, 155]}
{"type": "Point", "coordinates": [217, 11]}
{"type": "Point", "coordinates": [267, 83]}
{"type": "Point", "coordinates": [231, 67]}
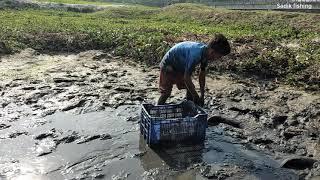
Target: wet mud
{"type": "Point", "coordinates": [76, 116]}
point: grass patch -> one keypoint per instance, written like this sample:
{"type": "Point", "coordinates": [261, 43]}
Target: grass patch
{"type": "Point", "coordinates": [78, 2]}
{"type": "Point", "coordinates": [261, 40]}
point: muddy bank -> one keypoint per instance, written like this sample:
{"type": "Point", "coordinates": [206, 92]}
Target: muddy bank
{"type": "Point", "coordinates": [75, 116]}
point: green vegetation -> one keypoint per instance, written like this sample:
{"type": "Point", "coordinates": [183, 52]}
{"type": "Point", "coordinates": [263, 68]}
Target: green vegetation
{"type": "Point", "coordinates": [77, 2]}
{"type": "Point", "coordinates": [162, 3]}
{"type": "Point", "coordinates": [268, 44]}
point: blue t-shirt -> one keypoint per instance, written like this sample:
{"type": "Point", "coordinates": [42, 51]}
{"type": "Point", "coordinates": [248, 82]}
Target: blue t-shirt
{"type": "Point", "coordinates": [183, 57]}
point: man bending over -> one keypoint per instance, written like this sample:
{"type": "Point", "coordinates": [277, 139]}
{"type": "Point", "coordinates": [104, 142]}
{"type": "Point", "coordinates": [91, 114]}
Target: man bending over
{"type": "Point", "coordinates": [179, 62]}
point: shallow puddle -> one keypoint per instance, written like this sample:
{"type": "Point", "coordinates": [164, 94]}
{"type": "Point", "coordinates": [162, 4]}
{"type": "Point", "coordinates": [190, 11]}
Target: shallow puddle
{"type": "Point", "coordinates": [106, 145]}
{"type": "Point", "coordinates": [76, 116]}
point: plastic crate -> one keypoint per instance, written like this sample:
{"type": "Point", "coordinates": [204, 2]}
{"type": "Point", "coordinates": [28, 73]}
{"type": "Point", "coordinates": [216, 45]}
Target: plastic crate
{"type": "Point", "coordinates": [162, 124]}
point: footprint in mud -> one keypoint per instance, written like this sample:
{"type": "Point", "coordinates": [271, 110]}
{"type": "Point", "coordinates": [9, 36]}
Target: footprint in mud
{"type": "Point", "coordinates": [260, 140]}
{"type": "Point", "coordinates": [216, 120]}
{"type": "Point", "coordinates": [4, 126]}
{"type": "Point", "coordinates": [240, 110]}
{"type": "Point", "coordinates": [34, 96]}
{"type": "Point", "coordinates": [51, 134]}
{"type": "Point", "coordinates": [63, 80]}
{"type": "Point", "coordinates": [4, 103]}
{"type": "Point", "coordinates": [28, 87]}
{"type": "Point", "coordinates": [298, 163]}
{"type": "Point", "coordinates": [13, 135]}
{"type": "Point", "coordinates": [91, 138]}
{"type": "Point", "coordinates": [69, 138]}
{"type": "Point", "coordinates": [278, 119]}
{"type": "Point", "coordinates": [123, 89]}
{"type": "Point", "coordinates": [73, 104]}
{"type": "Point", "coordinates": [47, 112]}
{"type": "Point", "coordinates": [133, 118]}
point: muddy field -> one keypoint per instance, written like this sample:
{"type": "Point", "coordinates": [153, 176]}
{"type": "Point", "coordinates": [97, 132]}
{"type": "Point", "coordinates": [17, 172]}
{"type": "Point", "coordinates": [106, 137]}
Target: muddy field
{"type": "Point", "coordinates": [76, 116]}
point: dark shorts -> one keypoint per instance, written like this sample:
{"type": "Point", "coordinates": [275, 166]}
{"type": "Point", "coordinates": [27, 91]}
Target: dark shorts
{"type": "Point", "coordinates": [168, 79]}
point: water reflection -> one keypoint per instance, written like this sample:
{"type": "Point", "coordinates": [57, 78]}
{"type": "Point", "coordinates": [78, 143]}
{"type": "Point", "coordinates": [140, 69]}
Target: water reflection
{"type": "Point", "coordinates": [177, 156]}
{"type": "Point", "coordinates": [30, 177]}
{"type": "Point", "coordinates": [29, 171]}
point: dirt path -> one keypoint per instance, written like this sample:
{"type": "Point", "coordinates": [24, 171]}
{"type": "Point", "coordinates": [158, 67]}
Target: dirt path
{"type": "Point", "coordinates": [76, 116]}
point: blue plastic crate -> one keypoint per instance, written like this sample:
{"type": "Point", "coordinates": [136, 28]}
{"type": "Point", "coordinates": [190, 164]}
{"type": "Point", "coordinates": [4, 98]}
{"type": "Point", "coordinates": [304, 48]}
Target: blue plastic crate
{"type": "Point", "coordinates": [184, 122]}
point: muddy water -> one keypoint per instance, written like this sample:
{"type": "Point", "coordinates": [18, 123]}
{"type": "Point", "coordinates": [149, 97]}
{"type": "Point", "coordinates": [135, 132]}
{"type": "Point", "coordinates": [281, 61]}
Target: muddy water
{"type": "Point", "coordinates": [123, 154]}
{"type": "Point", "coordinates": [77, 117]}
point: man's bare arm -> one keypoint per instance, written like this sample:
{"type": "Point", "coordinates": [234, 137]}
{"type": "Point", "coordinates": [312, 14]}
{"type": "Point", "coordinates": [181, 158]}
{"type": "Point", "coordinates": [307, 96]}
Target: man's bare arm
{"type": "Point", "coordinates": [202, 81]}
{"type": "Point", "coordinates": [191, 88]}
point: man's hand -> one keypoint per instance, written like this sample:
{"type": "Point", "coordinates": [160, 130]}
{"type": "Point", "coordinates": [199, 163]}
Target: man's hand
{"type": "Point", "coordinates": [196, 99]}
{"type": "Point", "coordinates": [202, 82]}
{"type": "Point", "coordinates": [190, 87]}
{"type": "Point", "coordinates": [201, 101]}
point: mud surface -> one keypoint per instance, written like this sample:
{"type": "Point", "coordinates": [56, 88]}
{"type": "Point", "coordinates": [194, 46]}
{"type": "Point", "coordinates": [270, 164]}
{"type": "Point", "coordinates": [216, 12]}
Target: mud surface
{"type": "Point", "coordinates": [76, 116]}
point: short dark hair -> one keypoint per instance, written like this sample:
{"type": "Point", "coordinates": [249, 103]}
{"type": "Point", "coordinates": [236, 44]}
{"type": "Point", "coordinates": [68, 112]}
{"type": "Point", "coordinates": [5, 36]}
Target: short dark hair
{"type": "Point", "coordinates": [220, 44]}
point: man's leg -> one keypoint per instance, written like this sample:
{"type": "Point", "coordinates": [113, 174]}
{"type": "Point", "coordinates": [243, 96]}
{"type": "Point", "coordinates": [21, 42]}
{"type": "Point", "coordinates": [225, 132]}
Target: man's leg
{"type": "Point", "coordinates": [165, 87]}
{"type": "Point", "coordinates": [163, 98]}
{"type": "Point", "coordinates": [189, 95]}
{"type": "Point", "coordinates": [179, 81]}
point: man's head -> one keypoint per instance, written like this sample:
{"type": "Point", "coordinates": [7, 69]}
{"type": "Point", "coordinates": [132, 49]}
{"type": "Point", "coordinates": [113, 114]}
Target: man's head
{"type": "Point", "coordinates": [218, 47]}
